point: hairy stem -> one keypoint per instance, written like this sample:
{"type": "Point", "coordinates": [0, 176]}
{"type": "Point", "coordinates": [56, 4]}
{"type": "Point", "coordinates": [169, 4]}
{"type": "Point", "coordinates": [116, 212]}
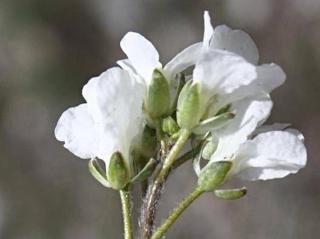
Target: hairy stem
{"type": "Point", "coordinates": [127, 217]}
{"type": "Point", "coordinates": [183, 205]}
{"type": "Point", "coordinates": [174, 153]}
{"type": "Point", "coordinates": [154, 193]}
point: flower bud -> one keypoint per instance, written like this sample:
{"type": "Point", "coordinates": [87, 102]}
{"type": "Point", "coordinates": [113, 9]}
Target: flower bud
{"type": "Point", "coordinates": [157, 102]}
{"type": "Point", "coordinates": [189, 110]}
{"type": "Point", "coordinates": [231, 194]}
{"type": "Point", "coordinates": [118, 174]}
{"type": "Point", "coordinates": [170, 126]}
{"type": "Point", "coordinates": [213, 175]}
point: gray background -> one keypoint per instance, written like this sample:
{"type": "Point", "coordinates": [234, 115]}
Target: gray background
{"type": "Point", "coordinates": [48, 51]}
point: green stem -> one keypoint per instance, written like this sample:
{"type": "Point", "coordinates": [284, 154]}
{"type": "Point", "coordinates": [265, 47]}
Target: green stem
{"type": "Point", "coordinates": [174, 153]}
{"type": "Point", "coordinates": [127, 217]}
{"type": "Point", "coordinates": [186, 202]}
{"type": "Point", "coordinates": [154, 193]}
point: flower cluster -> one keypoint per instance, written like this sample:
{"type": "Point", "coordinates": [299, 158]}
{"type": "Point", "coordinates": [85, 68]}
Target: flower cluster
{"type": "Point", "coordinates": [142, 107]}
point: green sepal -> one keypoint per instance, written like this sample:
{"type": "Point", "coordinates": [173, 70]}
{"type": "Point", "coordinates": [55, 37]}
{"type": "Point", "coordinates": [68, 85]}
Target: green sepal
{"type": "Point", "coordinates": [224, 109]}
{"type": "Point", "coordinates": [189, 106]}
{"type": "Point", "coordinates": [213, 175]}
{"type": "Point", "coordinates": [148, 143]}
{"type": "Point", "coordinates": [157, 101]}
{"type": "Point", "coordinates": [231, 194]}
{"type": "Point", "coordinates": [98, 173]}
{"type": "Point", "coordinates": [170, 126]}
{"type": "Point", "coordinates": [145, 149]}
{"type": "Point", "coordinates": [210, 147]}
{"type": "Point", "coordinates": [146, 171]}
{"type": "Point", "coordinates": [213, 123]}
{"type": "Point", "coordinates": [118, 173]}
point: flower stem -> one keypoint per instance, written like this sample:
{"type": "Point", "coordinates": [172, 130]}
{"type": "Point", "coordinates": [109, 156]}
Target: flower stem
{"type": "Point", "coordinates": [174, 153]}
{"type": "Point", "coordinates": [154, 193]}
{"type": "Point", "coordinates": [127, 217]}
{"type": "Point", "coordinates": [183, 205]}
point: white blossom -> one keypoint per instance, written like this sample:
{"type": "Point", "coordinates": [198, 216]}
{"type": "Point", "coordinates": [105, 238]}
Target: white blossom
{"type": "Point", "coordinates": [110, 120]}
{"type": "Point", "coordinates": [257, 152]}
{"type": "Point", "coordinates": [228, 74]}
{"type": "Point", "coordinates": [226, 67]}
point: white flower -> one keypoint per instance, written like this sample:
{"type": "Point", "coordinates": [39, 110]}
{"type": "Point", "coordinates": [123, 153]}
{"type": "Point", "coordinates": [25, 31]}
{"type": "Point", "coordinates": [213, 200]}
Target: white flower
{"type": "Point", "coordinates": [228, 74]}
{"type": "Point", "coordinates": [226, 70]}
{"type": "Point", "coordinates": [265, 153]}
{"type": "Point", "coordinates": [110, 120]}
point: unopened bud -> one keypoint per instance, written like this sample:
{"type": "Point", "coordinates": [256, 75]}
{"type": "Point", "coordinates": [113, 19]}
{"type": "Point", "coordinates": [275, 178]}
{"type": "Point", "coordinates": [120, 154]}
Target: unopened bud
{"type": "Point", "coordinates": [170, 126]}
{"type": "Point", "coordinates": [189, 108]}
{"type": "Point", "coordinates": [157, 102]}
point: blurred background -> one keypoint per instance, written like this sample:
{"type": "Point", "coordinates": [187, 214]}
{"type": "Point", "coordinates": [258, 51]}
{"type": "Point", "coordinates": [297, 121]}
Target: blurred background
{"type": "Point", "coordinates": [49, 50]}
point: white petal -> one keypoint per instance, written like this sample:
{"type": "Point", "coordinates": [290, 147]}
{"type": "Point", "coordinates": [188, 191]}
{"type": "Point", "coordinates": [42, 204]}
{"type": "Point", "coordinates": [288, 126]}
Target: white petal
{"type": "Point", "coordinates": [126, 65]}
{"type": "Point", "coordinates": [296, 133]}
{"type": "Point", "coordinates": [191, 54]}
{"type": "Point", "coordinates": [250, 113]}
{"type": "Point", "coordinates": [222, 72]}
{"type": "Point", "coordinates": [270, 127]}
{"type": "Point", "coordinates": [269, 76]}
{"type": "Point", "coordinates": [77, 129]}
{"type": "Point", "coordinates": [141, 53]}
{"type": "Point", "coordinates": [115, 102]}
{"type": "Point", "coordinates": [188, 57]}
{"type": "Point", "coordinates": [271, 155]}
{"type": "Point", "coordinates": [235, 41]}
{"type": "Point", "coordinates": [208, 29]}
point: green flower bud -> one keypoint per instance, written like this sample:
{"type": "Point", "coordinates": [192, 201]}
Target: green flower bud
{"type": "Point", "coordinates": [118, 173]}
{"type": "Point", "coordinates": [170, 126]}
{"type": "Point", "coordinates": [189, 110]}
{"type": "Point", "coordinates": [157, 102]}
{"type": "Point", "coordinates": [231, 194]}
{"type": "Point", "coordinates": [213, 175]}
